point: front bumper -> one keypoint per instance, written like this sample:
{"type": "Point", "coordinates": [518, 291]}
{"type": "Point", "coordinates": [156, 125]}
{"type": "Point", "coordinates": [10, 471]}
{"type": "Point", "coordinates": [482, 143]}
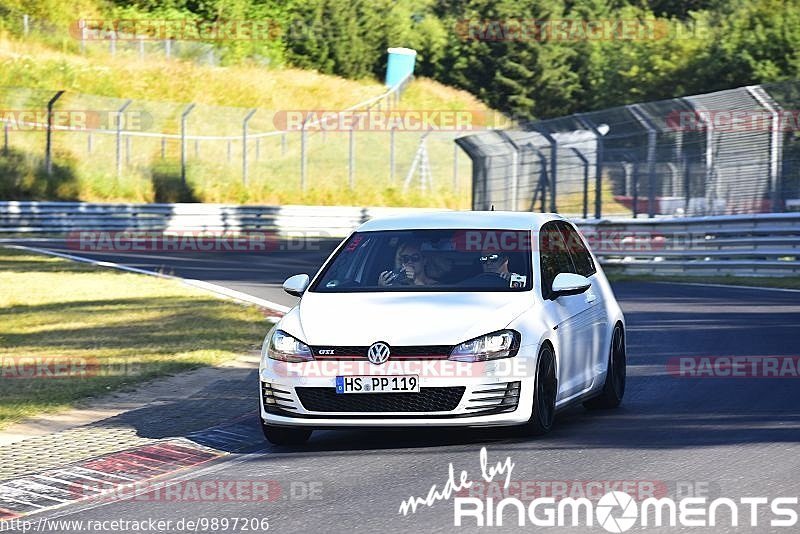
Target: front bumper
{"type": "Point", "coordinates": [484, 394]}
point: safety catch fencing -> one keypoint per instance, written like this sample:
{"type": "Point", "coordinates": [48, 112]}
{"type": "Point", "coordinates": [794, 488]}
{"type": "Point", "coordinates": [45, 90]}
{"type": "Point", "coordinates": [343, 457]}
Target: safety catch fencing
{"type": "Point", "coordinates": [742, 245]}
{"type": "Point", "coordinates": [728, 152]}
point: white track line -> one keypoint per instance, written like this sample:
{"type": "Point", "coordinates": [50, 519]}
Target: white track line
{"type": "Point", "coordinates": [730, 286]}
{"type": "Point", "coordinates": [207, 286]}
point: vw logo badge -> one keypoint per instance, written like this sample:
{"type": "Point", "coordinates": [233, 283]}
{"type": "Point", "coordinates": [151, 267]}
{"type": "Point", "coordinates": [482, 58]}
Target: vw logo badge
{"type": "Point", "coordinates": [378, 353]}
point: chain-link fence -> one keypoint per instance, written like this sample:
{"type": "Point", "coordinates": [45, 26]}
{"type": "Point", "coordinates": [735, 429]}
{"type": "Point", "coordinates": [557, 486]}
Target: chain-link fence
{"type": "Point", "coordinates": [139, 150]}
{"type": "Point", "coordinates": [733, 151]}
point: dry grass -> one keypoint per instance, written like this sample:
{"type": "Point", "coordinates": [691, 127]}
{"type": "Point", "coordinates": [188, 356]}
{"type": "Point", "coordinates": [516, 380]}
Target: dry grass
{"type": "Point", "coordinates": [125, 327]}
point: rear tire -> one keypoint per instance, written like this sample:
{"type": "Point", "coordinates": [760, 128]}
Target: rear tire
{"type": "Point", "coordinates": [614, 388]}
{"type": "Point", "coordinates": [278, 435]}
{"type": "Point", "coordinates": [544, 395]}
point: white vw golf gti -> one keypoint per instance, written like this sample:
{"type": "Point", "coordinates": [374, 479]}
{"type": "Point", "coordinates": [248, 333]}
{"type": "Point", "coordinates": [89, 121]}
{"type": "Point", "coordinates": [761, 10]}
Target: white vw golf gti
{"type": "Point", "coordinates": [445, 319]}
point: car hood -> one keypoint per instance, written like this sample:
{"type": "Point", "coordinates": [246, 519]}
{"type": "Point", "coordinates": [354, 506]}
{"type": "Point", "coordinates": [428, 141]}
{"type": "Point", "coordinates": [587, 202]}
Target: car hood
{"type": "Point", "coordinates": [360, 319]}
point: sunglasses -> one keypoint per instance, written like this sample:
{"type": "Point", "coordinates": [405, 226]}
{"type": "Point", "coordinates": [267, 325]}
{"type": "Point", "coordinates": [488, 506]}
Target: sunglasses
{"type": "Point", "coordinates": [413, 258]}
{"type": "Point", "coordinates": [489, 257]}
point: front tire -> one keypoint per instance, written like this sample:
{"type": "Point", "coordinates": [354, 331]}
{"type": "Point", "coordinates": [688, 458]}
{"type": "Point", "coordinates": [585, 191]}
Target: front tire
{"type": "Point", "coordinates": [544, 395]}
{"type": "Point", "coordinates": [278, 435]}
{"type": "Point", "coordinates": [614, 387]}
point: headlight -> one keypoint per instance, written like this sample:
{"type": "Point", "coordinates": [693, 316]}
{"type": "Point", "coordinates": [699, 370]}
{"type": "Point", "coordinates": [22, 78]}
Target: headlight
{"type": "Point", "coordinates": [502, 344]}
{"type": "Point", "coordinates": [285, 348]}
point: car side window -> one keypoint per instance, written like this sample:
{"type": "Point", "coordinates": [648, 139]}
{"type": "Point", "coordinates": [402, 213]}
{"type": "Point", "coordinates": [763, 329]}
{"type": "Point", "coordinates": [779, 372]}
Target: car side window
{"type": "Point", "coordinates": [554, 257]}
{"type": "Point", "coordinates": [577, 249]}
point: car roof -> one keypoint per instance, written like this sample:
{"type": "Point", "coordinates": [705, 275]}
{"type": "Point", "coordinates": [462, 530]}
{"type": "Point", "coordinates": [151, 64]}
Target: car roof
{"type": "Point", "coordinates": [491, 220]}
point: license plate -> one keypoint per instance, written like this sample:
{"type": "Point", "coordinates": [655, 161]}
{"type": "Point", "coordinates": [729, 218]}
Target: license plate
{"type": "Point", "coordinates": [378, 384]}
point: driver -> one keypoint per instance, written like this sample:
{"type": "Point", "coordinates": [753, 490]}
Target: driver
{"type": "Point", "coordinates": [495, 272]}
{"type": "Point", "coordinates": [495, 263]}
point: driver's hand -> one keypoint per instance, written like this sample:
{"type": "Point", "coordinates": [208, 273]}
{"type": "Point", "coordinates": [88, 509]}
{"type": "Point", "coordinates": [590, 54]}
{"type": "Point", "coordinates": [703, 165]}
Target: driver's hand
{"type": "Point", "coordinates": [409, 270]}
{"type": "Point", "coordinates": [505, 276]}
{"type": "Point", "coordinates": [386, 278]}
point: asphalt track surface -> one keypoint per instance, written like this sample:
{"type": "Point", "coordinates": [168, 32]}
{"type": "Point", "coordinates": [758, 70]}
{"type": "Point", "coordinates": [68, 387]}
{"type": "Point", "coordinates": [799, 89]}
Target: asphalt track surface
{"type": "Point", "coordinates": [723, 437]}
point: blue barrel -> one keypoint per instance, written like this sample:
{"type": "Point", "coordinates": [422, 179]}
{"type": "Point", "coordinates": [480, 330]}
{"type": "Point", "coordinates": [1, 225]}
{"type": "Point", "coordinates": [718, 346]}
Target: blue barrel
{"type": "Point", "coordinates": [401, 64]}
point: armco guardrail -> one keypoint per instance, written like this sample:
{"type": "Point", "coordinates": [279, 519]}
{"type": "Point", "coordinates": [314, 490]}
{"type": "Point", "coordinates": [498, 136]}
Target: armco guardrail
{"type": "Point", "coordinates": [739, 245]}
{"type": "Point", "coordinates": [36, 218]}
{"type": "Point", "coordinates": [763, 244]}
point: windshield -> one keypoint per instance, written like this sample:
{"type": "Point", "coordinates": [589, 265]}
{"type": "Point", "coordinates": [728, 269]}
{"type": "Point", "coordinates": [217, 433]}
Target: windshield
{"type": "Point", "coordinates": [430, 260]}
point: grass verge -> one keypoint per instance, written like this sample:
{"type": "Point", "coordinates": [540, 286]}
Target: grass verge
{"type": "Point", "coordinates": [71, 331]}
{"type": "Point", "coordinates": [784, 282]}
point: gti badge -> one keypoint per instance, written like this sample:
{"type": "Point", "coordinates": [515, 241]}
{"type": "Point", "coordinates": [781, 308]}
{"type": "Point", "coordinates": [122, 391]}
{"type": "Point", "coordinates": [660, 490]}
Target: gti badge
{"type": "Point", "coordinates": [378, 353]}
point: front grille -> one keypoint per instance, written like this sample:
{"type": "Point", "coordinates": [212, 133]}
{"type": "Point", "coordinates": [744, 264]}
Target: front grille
{"type": "Point", "coordinates": [427, 400]}
{"type": "Point", "coordinates": [353, 352]}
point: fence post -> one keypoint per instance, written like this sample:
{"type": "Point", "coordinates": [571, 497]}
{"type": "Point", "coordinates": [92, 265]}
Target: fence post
{"type": "Point", "coordinates": [598, 179]}
{"type": "Point", "coordinates": [184, 115]}
{"type": "Point", "coordinates": [25, 24]}
{"type": "Point", "coordinates": [244, 144]}
{"type": "Point", "coordinates": [168, 48]}
{"type": "Point", "coordinates": [553, 164]}
{"type": "Point", "coordinates": [120, 111]}
{"type": "Point", "coordinates": [5, 137]}
{"type": "Point", "coordinates": [128, 148]}
{"type": "Point", "coordinates": [89, 143]}
{"type": "Point", "coordinates": [48, 149]}
{"type": "Point", "coordinates": [642, 118]}
{"type": "Point", "coordinates": [585, 162]}
{"type": "Point", "coordinates": [82, 26]}
{"type": "Point", "coordinates": [112, 44]}
{"type": "Point", "coordinates": [391, 155]}
{"type": "Point", "coordinates": [141, 48]}
{"type": "Point", "coordinates": [774, 146]}
{"type": "Point", "coordinates": [283, 144]}
{"type": "Point", "coordinates": [163, 147]}
{"type": "Point", "coordinates": [514, 170]}
{"type": "Point", "coordinates": [303, 142]}
{"type": "Point", "coordinates": [351, 158]}
{"type": "Point", "coordinates": [455, 167]}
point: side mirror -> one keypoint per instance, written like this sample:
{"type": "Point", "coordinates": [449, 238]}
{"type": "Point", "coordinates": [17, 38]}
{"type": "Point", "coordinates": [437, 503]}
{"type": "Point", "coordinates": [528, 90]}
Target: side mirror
{"type": "Point", "coordinates": [570, 284]}
{"type": "Point", "coordinates": [296, 285]}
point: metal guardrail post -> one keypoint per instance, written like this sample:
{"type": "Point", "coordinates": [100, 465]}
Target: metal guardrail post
{"type": "Point", "coordinates": [48, 149]}
{"type": "Point", "coordinates": [244, 144]}
{"type": "Point", "coordinates": [120, 111]}
{"type": "Point", "coordinates": [598, 179]}
{"type": "Point", "coordinates": [184, 115]}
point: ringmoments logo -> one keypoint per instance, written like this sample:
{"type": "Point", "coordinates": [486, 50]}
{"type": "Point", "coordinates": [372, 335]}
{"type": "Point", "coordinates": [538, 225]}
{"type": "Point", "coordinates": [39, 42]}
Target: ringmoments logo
{"type": "Point", "coordinates": [615, 511]}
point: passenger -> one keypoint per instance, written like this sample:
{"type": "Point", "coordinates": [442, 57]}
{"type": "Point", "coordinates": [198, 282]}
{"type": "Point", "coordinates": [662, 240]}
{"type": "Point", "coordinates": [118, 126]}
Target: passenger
{"type": "Point", "coordinates": [409, 270]}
